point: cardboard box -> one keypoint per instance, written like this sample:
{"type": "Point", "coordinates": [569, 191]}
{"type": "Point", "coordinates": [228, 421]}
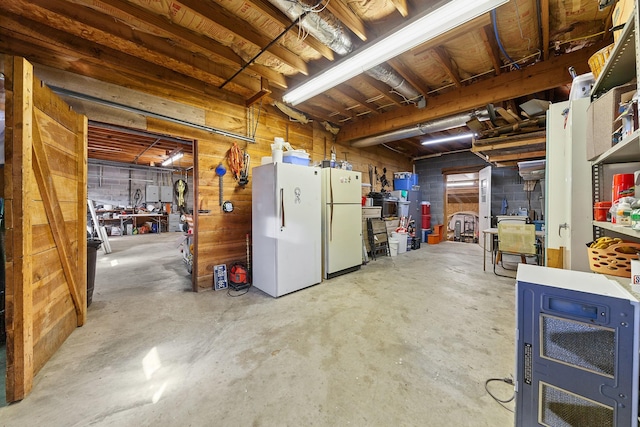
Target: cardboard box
{"type": "Point", "coordinates": [622, 12]}
{"type": "Point", "coordinates": [601, 116]}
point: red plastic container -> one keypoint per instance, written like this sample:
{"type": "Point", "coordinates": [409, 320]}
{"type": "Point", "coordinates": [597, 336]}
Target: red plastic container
{"type": "Point", "coordinates": [622, 186]}
{"type": "Point", "coordinates": [426, 208]}
{"type": "Point", "coordinates": [426, 221]}
{"type": "Point", "coordinates": [600, 210]}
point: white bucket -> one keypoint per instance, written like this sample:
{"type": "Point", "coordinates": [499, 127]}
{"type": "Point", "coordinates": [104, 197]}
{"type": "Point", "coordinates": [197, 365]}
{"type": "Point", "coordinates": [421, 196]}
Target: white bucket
{"type": "Point", "coordinates": [402, 240]}
{"type": "Point", "coordinates": [393, 247]}
{"type": "Point", "coordinates": [276, 155]}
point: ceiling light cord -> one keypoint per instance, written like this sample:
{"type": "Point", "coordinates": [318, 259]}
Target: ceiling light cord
{"type": "Point", "coordinates": [264, 49]}
{"type": "Point", "coordinates": [494, 19]}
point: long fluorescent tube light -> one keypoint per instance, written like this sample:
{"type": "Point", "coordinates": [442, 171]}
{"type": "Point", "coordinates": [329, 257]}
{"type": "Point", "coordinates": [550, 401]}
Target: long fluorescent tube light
{"type": "Point", "coordinates": [448, 138]}
{"type": "Point", "coordinates": [415, 32]}
{"type": "Point", "coordinates": [462, 183]}
{"type": "Point", "coordinates": [173, 158]}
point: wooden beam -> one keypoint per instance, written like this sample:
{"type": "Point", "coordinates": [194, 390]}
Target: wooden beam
{"type": "Point", "coordinates": [49, 194]}
{"type": "Point", "coordinates": [383, 89]}
{"type": "Point", "coordinates": [120, 69]}
{"type": "Point", "coordinates": [350, 92]}
{"type": "Point", "coordinates": [535, 78]}
{"type": "Point", "coordinates": [266, 8]}
{"type": "Point", "coordinates": [401, 6]}
{"type": "Point", "coordinates": [23, 29]}
{"type": "Point", "coordinates": [443, 58]}
{"type": "Point", "coordinates": [18, 195]}
{"type": "Point", "coordinates": [264, 90]}
{"type": "Point", "coordinates": [101, 29]}
{"type": "Point", "coordinates": [491, 45]}
{"type": "Point", "coordinates": [219, 15]}
{"type": "Point", "coordinates": [412, 78]}
{"type": "Point", "coordinates": [469, 27]}
{"type": "Point", "coordinates": [348, 18]}
{"type": "Point", "coordinates": [518, 156]}
{"type": "Point", "coordinates": [505, 145]}
{"type": "Point", "coordinates": [544, 27]}
{"type": "Point", "coordinates": [172, 31]}
{"type": "Point", "coordinates": [335, 106]}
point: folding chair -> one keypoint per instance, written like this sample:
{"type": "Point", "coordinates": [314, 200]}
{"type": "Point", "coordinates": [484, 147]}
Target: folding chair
{"type": "Point", "coordinates": [516, 238]}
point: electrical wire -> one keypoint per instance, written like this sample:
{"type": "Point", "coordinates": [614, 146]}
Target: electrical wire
{"type": "Point", "coordinates": [520, 28]}
{"type": "Point", "coordinates": [501, 402]}
{"type": "Point", "coordinates": [237, 295]}
{"type": "Point", "coordinates": [494, 19]}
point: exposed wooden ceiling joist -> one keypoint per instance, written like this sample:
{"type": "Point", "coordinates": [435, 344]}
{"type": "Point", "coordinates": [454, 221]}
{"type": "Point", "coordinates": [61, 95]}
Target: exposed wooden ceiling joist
{"type": "Point", "coordinates": [539, 77]}
{"type": "Point", "coordinates": [220, 16]}
{"type": "Point", "coordinates": [401, 7]}
{"type": "Point", "coordinates": [407, 74]}
{"type": "Point", "coordinates": [544, 27]}
{"type": "Point", "coordinates": [444, 60]}
{"type": "Point", "coordinates": [492, 48]}
{"type": "Point", "coordinates": [348, 18]}
{"type": "Point", "coordinates": [272, 12]}
{"type": "Point", "coordinates": [517, 156]}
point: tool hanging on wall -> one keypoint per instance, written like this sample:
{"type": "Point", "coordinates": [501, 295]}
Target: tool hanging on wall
{"type": "Point", "coordinates": [239, 164]}
{"type": "Point", "coordinates": [220, 171]}
{"type": "Point", "coordinates": [180, 189]}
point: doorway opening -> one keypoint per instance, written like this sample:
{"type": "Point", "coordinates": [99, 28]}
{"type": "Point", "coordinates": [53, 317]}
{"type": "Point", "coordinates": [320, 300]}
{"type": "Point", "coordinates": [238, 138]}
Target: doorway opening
{"type": "Point", "coordinates": [461, 205]}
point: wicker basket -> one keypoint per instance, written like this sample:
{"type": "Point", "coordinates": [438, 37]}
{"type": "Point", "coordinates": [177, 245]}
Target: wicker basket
{"type": "Point", "coordinates": [611, 260]}
{"type": "Point", "coordinates": [599, 59]}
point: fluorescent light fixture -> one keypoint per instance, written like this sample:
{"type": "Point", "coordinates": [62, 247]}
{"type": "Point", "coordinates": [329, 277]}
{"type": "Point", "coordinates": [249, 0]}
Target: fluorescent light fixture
{"type": "Point", "coordinates": [459, 137]}
{"type": "Point", "coordinates": [411, 34]}
{"type": "Point", "coordinates": [173, 158]}
{"type": "Point", "coordinates": [462, 184]}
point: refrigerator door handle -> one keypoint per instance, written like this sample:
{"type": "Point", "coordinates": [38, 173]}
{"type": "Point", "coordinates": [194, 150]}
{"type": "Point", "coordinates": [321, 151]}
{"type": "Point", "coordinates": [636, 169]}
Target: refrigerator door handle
{"type": "Point", "coordinates": [282, 208]}
{"type": "Point", "coordinates": [331, 203]}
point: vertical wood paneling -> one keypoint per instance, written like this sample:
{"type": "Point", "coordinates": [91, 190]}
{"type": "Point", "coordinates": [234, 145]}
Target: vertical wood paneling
{"type": "Point", "coordinates": [20, 361]}
{"type": "Point", "coordinates": [220, 236]}
{"type": "Point", "coordinates": [45, 154]}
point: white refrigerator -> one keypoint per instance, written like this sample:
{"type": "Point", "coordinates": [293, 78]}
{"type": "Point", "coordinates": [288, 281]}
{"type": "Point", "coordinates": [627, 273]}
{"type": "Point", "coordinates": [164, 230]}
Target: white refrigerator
{"type": "Point", "coordinates": [341, 221]}
{"type": "Point", "coordinates": [287, 248]}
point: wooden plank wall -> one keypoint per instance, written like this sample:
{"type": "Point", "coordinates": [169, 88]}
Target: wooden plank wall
{"type": "Point", "coordinates": [45, 192]}
{"type": "Point", "coordinates": [221, 237]}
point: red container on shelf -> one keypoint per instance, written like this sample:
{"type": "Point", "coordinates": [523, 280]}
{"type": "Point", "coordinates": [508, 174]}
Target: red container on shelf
{"type": "Point", "coordinates": [623, 185]}
{"type": "Point", "coordinates": [426, 221]}
{"type": "Point", "coordinates": [600, 210]}
{"type": "Point", "coordinates": [426, 208]}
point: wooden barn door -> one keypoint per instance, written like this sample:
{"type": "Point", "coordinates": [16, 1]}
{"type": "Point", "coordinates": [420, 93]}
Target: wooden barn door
{"type": "Point", "coordinates": [46, 247]}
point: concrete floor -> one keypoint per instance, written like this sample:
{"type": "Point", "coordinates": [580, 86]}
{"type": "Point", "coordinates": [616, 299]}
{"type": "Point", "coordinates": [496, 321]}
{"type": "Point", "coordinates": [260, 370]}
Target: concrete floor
{"type": "Point", "coordinates": [406, 341]}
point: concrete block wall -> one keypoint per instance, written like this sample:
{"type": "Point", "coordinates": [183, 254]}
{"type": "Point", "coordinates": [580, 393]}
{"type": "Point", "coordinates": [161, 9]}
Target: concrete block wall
{"type": "Point", "coordinates": [110, 184]}
{"type": "Point", "coordinates": [431, 180]}
{"type": "Point", "coordinates": [505, 183]}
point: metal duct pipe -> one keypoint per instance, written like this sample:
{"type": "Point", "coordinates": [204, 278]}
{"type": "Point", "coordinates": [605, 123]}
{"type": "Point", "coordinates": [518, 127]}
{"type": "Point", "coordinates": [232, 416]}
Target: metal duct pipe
{"type": "Point", "coordinates": [389, 76]}
{"type": "Point", "coordinates": [330, 34]}
{"type": "Point", "coordinates": [333, 35]}
{"type": "Point", "coordinates": [437, 125]}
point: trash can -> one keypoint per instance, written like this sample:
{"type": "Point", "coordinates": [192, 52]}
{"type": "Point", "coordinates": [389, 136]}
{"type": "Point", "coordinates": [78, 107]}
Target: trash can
{"type": "Point", "coordinates": [92, 254]}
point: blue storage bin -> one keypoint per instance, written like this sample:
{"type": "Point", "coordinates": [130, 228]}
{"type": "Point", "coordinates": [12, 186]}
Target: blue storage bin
{"type": "Point", "coordinates": [414, 179]}
{"type": "Point", "coordinates": [296, 158]}
{"type": "Point", "coordinates": [402, 184]}
{"type": "Point", "coordinates": [539, 225]}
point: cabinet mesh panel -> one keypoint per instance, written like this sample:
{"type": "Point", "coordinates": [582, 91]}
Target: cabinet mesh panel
{"type": "Point", "coordinates": [579, 344]}
{"type": "Point", "coordinates": [562, 409]}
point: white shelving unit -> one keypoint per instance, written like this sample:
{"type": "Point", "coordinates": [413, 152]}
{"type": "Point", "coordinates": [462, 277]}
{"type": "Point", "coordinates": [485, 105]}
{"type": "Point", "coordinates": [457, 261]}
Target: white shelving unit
{"type": "Point", "coordinates": [621, 68]}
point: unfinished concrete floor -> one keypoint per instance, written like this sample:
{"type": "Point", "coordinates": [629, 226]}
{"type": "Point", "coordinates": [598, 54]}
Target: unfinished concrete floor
{"type": "Point", "coordinates": [406, 341]}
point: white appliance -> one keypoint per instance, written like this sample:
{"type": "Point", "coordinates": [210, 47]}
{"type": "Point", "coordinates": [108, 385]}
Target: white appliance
{"type": "Point", "coordinates": [286, 223]}
{"type": "Point", "coordinates": [341, 221]}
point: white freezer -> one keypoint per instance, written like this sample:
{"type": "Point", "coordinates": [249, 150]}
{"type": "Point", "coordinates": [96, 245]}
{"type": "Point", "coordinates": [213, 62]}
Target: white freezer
{"type": "Point", "coordinates": [341, 221]}
{"type": "Point", "coordinates": [286, 224]}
